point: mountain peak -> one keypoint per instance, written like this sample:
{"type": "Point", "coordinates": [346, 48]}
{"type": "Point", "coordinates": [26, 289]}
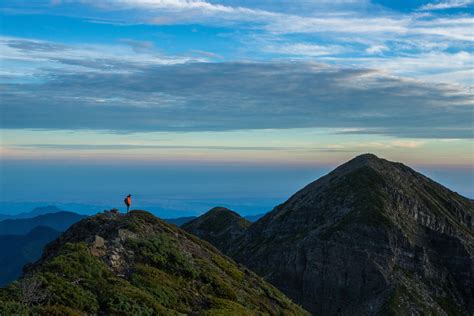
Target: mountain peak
{"type": "Point", "coordinates": [220, 209]}
{"type": "Point", "coordinates": [369, 233]}
{"type": "Point", "coordinates": [366, 161]}
{"type": "Point", "coordinates": [220, 217]}
{"type": "Point", "coordinates": [366, 156]}
{"type": "Point", "coordinates": [220, 226]}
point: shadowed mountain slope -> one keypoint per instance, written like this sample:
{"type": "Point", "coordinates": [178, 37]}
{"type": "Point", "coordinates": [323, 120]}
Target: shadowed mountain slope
{"type": "Point", "coordinates": [136, 264]}
{"type": "Point", "coordinates": [220, 226]}
{"type": "Point", "coordinates": [371, 237]}
{"type": "Point", "coordinates": [18, 250]}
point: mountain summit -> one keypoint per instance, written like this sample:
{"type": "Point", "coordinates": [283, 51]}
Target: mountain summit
{"type": "Point", "coordinates": [220, 226]}
{"type": "Point", "coordinates": [136, 264]}
{"type": "Point", "coordinates": [371, 237]}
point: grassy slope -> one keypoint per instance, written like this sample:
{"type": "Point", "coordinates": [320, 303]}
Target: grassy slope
{"type": "Point", "coordinates": [170, 273]}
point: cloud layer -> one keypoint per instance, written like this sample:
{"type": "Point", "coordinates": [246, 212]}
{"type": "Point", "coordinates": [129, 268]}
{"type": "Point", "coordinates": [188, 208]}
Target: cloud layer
{"type": "Point", "coordinates": [356, 66]}
{"type": "Point", "coordinates": [232, 96]}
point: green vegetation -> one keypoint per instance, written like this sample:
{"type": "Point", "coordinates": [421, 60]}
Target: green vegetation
{"type": "Point", "coordinates": [160, 270]}
{"type": "Point", "coordinates": [406, 298]}
{"type": "Point", "coordinates": [219, 226]}
{"type": "Point", "coordinates": [161, 252]}
{"type": "Point", "coordinates": [217, 221]}
{"type": "Point", "coordinates": [364, 187]}
{"type": "Point", "coordinates": [395, 306]}
{"type": "Point", "coordinates": [449, 306]}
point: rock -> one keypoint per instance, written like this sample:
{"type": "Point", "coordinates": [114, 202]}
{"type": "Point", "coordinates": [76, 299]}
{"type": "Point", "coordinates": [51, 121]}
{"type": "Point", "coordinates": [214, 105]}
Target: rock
{"type": "Point", "coordinates": [98, 248]}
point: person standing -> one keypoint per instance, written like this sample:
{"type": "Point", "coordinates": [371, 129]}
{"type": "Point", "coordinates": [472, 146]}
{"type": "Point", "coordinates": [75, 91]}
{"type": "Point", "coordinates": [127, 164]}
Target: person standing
{"type": "Point", "coordinates": [128, 201]}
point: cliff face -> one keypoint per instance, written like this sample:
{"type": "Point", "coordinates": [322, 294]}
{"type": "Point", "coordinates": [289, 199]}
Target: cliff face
{"type": "Point", "coordinates": [136, 264]}
{"type": "Point", "coordinates": [371, 237]}
{"type": "Point", "coordinates": [220, 226]}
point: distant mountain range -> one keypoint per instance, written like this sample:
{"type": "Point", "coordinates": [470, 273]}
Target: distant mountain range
{"type": "Point", "coordinates": [372, 237]}
{"type": "Point", "coordinates": [35, 212]}
{"type": "Point", "coordinates": [15, 209]}
{"type": "Point", "coordinates": [59, 221]}
{"type": "Point", "coordinates": [40, 211]}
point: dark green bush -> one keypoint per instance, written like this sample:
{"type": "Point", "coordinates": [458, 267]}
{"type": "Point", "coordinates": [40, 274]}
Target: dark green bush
{"type": "Point", "coordinates": [161, 252]}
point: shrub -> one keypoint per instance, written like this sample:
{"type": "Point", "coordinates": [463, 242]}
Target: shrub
{"type": "Point", "coordinates": [161, 252]}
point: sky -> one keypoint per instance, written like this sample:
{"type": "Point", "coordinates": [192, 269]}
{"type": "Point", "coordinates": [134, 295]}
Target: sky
{"type": "Point", "coordinates": [188, 104]}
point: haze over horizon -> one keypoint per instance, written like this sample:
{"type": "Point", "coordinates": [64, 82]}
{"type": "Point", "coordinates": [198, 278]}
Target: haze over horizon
{"type": "Point", "coordinates": [192, 103]}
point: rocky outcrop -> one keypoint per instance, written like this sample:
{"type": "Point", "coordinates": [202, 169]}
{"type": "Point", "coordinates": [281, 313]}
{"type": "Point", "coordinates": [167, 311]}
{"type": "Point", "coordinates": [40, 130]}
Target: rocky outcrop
{"type": "Point", "coordinates": [372, 237]}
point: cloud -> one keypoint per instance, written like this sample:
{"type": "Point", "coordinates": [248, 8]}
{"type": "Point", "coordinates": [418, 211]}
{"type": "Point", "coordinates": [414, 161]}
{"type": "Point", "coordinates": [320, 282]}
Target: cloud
{"type": "Point", "coordinates": [111, 147]}
{"type": "Point", "coordinates": [27, 59]}
{"type": "Point", "coordinates": [27, 46]}
{"type": "Point", "coordinates": [139, 46]}
{"type": "Point", "coordinates": [303, 49]}
{"type": "Point", "coordinates": [443, 5]}
{"type": "Point", "coordinates": [407, 143]}
{"type": "Point", "coordinates": [238, 96]}
{"type": "Point", "coordinates": [310, 30]}
{"type": "Point", "coordinates": [374, 145]}
{"type": "Point", "coordinates": [321, 21]}
{"type": "Point", "coordinates": [376, 49]}
{"type": "Point", "coordinates": [432, 67]}
{"type": "Point", "coordinates": [317, 30]}
{"type": "Point", "coordinates": [206, 54]}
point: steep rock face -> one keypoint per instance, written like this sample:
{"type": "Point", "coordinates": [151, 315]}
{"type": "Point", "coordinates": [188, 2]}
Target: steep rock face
{"type": "Point", "coordinates": [370, 237]}
{"type": "Point", "coordinates": [136, 264]}
{"type": "Point", "coordinates": [219, 226]}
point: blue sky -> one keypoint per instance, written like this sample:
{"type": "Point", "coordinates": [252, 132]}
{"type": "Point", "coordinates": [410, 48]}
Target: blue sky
{"type": "Point", "coordinates": [280, 84]}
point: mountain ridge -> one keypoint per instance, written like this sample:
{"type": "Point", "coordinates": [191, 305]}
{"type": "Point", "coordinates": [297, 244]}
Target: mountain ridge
{"type": "Point", "coordinates": [137, 264]}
